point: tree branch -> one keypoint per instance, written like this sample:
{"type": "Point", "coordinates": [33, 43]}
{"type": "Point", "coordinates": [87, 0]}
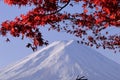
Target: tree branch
{"type": "Point", "coordinates": [60, 8]}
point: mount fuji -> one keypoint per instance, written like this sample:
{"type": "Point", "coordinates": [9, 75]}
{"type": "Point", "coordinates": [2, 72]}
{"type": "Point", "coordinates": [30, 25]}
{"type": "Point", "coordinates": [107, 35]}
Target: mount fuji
{"type": "Point", "coordinates": [63, 60]}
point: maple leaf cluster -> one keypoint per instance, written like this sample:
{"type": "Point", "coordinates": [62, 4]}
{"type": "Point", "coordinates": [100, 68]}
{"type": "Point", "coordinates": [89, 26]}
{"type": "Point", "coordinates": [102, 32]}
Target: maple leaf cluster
{"type": "Point", "coordinates": [105, 13]}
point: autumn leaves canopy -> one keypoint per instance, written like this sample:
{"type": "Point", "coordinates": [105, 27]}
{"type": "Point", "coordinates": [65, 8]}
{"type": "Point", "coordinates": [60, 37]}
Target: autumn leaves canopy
{"type": "Point", "coordinates": [96, 15]}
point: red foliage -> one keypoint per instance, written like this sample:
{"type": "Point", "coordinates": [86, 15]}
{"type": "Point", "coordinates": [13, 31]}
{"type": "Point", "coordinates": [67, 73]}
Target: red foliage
{"type": "Point", "coordinates": [105, 13]}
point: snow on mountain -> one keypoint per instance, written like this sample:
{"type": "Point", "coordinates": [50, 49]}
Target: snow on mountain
{"type": "Point", "coordinates": [63, 60]}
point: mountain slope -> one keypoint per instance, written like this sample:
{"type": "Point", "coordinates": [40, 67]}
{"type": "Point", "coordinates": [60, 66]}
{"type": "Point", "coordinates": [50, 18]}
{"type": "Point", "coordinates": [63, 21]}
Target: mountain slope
{"type": "Point", "coordinates": [63, 60]}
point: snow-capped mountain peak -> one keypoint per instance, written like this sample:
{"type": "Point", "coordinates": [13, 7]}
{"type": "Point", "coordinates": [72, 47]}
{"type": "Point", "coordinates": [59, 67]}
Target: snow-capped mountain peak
{"type": "Point", "coordinates": [63, 60]}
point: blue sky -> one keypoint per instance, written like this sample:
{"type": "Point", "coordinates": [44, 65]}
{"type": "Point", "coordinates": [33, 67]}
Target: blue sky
{"type": "Point", "coordinates": [16, 50]}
